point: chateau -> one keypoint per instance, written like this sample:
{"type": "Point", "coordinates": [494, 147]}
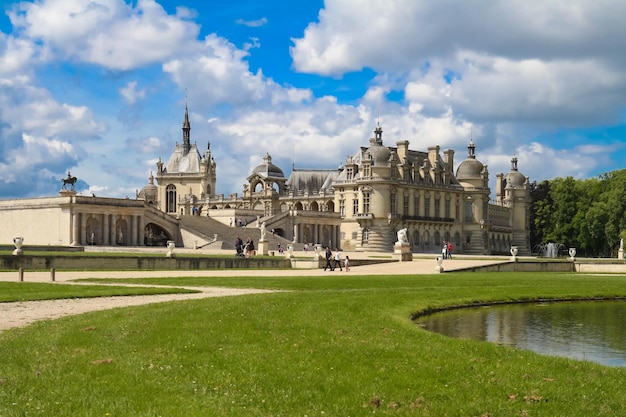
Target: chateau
{"type": "Point", "coordinates": [359, 206]}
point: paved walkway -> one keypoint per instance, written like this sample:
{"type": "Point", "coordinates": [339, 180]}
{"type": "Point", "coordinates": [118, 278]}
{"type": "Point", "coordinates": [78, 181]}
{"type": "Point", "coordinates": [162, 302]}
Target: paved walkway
{"type": "Point", "coordinates": [23, 313]}
{"type": "Point", "coordinates": [420, 266]}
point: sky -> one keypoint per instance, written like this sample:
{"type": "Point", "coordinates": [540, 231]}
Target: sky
{"type": "Point", "coordinates": [98, 88]}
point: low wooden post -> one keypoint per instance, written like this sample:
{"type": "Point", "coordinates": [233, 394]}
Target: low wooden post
{"type": "Point", "coordinates": [52, 273]}
{"type": "Point", "coordinates": [20, 273]}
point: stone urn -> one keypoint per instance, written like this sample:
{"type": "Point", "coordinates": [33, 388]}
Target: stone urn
{"type": "Point", "coordinates": [290, 251]}
{"type": "Point", "coordinates": [439, 260]}
{"type": "Point", "coordinates": [18, 242]}
{"type": "Point", "coordinates": [514, 253]}
{"type": "Point", "coordinates": [170, 249]}
{"type": "Point", "coordinates": [572, 254]}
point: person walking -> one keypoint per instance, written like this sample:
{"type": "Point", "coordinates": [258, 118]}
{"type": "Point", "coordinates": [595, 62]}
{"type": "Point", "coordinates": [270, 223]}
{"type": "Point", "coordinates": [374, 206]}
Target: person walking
{"type": "Point", "coordinates": [338, 259]}
{"type": "Point", "coordinates": [329, 257]}
{"type": "Point", "coordinates": [346, 263]}
{"type": "Point", "coordinates": [239, 246]}
{"type": "Point", "coordinates": [249, 247]}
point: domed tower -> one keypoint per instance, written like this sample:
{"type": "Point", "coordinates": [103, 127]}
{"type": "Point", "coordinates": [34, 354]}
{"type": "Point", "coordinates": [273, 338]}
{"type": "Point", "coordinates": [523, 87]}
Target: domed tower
{"type": "Point", "coordinates": [513, 191]}
{"type": "Point", "coordinates": [474, 178]}
{"type": "Point", "coordinates": [265, 184]}
{"type": "Point", "coordinates": [150, 193]}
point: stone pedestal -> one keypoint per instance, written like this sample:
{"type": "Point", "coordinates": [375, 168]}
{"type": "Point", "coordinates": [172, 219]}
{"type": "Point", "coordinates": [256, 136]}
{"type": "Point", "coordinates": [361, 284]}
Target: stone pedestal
{"type": "Point", "coordinates": [620, 254]}
{"type": "Point", "coordinates": [67, 193]}
{"type": "Point", "coordinates": [402, 251]}
{"type": "Point", "coordinates": [264, 246]}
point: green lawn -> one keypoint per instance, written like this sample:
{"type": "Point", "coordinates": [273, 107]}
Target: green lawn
{"type": "Point", "coordinates": [31, 291]}
{"type": "Point", "coordinates": [341, 345]}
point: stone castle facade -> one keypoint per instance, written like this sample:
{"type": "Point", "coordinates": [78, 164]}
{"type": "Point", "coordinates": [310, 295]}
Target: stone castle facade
{"type": "Point", "coordinates": [360, 205]}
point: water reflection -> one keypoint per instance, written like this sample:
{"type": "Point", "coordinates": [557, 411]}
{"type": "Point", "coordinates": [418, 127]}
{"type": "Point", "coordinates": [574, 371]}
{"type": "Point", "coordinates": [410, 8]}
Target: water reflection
{"type": "Point", "coordinates": [588, 330]}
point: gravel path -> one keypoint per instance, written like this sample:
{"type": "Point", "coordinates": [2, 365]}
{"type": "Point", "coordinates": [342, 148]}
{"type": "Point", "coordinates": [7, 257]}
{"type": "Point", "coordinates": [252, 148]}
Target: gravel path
{"type": "Point", "coordinates": [21, 314]}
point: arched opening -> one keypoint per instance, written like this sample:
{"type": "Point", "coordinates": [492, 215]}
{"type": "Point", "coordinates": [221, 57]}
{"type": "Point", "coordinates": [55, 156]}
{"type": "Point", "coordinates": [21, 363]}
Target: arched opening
{"type": "Point", "coordinates": [437, 238]}
{"type": "Point", "coordinates": [258, 187]}
{"type": "Point", "coordinates": [93, 232]}
{"type": "Point", "coordinates": [297, 206]}
{"type": "Point", "coordinates": [170, 199]}
{"type": "Point", "coordinates": [306, 235]}
{"type": "Point", "coordinates": [314, 206]}
{"type": "Point", "coordinates": [155, 235]}
{"type": "Point", "coordinates": [121, 232]}
{"type": "Point", "coordinates": [330, 206]}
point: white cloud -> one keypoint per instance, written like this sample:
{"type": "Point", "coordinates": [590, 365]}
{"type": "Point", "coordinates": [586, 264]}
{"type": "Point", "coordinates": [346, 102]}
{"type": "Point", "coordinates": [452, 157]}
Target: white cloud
{"type": "Point", "coordinates": [353, 34]}
{"type": "Point", "coordinates": [545, 62]}
{"type": "Point", "coordinates": [252, 23]}
{"type": "Point", "coordinates": [219, 73]}
{"type": "Point", "coordinates": [131, 94]}
{"type": "Point", "coordinates": [110, 33]}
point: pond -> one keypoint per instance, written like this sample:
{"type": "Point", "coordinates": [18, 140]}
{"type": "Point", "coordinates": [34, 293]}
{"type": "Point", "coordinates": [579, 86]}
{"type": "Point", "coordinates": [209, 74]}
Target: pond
{"type": "Point", "coordinates": [586, 330]}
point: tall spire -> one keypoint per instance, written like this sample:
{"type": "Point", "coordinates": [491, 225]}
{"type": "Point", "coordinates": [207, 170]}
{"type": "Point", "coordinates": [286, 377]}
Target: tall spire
{"type": "Point", "coordinates": [471, 148]}
{"type": "Point", "coordinates": [186, 131]}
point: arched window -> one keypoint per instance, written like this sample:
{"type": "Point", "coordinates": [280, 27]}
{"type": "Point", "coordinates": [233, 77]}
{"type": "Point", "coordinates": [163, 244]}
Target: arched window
{"type": "Point", "coordinates": [170, 199]}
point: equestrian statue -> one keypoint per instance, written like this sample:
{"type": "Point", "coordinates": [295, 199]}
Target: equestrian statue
{"type": "Point", "coordinates": [69, 180]}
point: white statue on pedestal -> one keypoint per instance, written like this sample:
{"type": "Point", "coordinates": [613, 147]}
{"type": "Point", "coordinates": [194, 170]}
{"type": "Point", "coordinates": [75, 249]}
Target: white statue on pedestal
{"type": "Point", "coordinates": [402, 236]}
{"type": "Point", "coordinates": [263, 232]}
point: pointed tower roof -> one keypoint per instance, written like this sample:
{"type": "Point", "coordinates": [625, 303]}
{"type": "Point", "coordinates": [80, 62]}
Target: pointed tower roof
{"type": "Point", "coordinates": [186, 132]}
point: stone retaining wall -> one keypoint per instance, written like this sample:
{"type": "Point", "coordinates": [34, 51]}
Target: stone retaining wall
{"type": "Point", "coordinates": [10, 262]}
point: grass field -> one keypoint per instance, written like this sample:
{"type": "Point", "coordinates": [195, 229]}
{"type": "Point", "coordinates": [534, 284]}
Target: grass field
{"type": "Point", "coordinates": [341, 345]}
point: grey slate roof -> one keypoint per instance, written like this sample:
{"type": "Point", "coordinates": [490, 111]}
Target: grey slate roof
{"type": "Point", "coordinates": [311, 180]}
{"type": "Point", "coordinates": [181, 163]}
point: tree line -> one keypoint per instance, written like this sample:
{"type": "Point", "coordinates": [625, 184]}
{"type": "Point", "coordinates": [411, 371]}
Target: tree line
{"type": "Point", "coordinates": [589, 215]}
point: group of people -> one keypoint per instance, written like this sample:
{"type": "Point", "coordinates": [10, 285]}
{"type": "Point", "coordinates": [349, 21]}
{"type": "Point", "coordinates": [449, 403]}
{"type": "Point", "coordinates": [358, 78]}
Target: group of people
{"type": "Point", "coordinates": [446, 250]}
{"type": "Point", "coordinates": [334, 261]}
{"type": "Point", "coordinates": [240, 222]}
{"type": "Point", "coordinates": [244, 249]}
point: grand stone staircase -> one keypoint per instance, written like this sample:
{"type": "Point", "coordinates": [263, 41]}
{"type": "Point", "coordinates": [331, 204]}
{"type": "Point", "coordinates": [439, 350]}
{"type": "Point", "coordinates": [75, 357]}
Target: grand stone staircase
{"type": "Point", "coordinates": [204, 232]}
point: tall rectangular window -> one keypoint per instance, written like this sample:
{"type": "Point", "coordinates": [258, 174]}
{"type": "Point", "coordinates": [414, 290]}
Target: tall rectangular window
{"type": "Point", "coordinates": [366, 202]}
{"type": "Point", "coordinates": [427, 206]}
{"type": "Point", "coordinates": [416, 205]}
{"type": "Point", "coordinates": [355, 206]}
{"type": "Point", "coordinates": [392, 203]}
{"type": "Point", "coordinates": [469, 215]}
{"type": "Point", "coordinates": [342, 207]}
{"type": "Point", "coordinates": [437, 207]}
{"type": "Point", "coordinates": [349, 173]}
{"type": "Point", "coordinates": [447, 209]}
{"type": "Point", "coordinates": [405, 205]}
